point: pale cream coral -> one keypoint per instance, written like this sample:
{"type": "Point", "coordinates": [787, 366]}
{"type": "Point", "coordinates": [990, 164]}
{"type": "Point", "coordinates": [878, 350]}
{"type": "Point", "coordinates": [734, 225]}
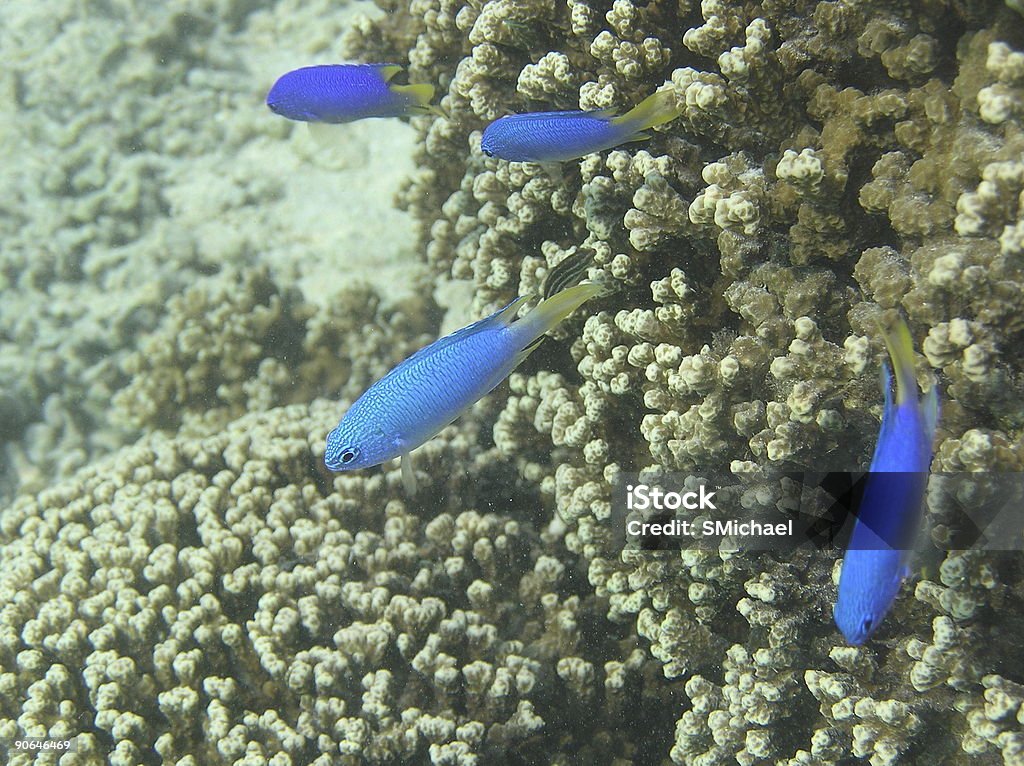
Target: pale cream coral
{"type": "Point", "coordinates": [732, 198]}
{"type": "Point", "coordinates": [1003, 100]}
{"type": "Point", "coordinates": [253, 481]}
{"type": "Point", "coordinates": [730, 344]}
{"type": "Point", "coordinates": [550, 77]}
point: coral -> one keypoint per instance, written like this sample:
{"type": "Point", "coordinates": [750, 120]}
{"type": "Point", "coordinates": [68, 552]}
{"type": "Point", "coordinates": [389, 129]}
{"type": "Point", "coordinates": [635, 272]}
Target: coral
{"type": "Point", "coordinates": [220, 599]}
{"type": "Point", "coordinates": [239, 343]}
{"type": "Point", "coordinates": [209, 343]}
{"type": "Point", "coordinates": [834, 164]}
{"type": "Point", "coordinates": [143, 152]}
{"type": "Point", "coordinates": [217, 600]}
{"type": "Point", "coordinates": [100, 99]}
{"type": "Point", "coordinates": [876, 729]}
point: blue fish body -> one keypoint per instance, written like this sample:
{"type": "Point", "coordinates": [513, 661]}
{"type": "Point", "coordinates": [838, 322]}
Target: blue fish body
{"type": "Point", "coordinates": [875, 564]}
{"type": "Point", "coordinates": [560, 136]}
{"type": "Point", "coordinates": [435, 385]}
{"type": "Point", "coordinates": [336, 93]}
{"type": "Point", "coordinates": [551, 136]}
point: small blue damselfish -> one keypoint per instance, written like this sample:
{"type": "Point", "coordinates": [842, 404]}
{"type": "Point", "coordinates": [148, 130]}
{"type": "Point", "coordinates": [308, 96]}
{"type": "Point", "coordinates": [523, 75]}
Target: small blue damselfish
{"type": "Point", "coordinates": [891, 508]}
{"type": "Point", "coordinates": [560, 136]}
{"type": "Point", "coordinates": [435, 385]}
{"type": "Point", "coordinates": [336, 93]}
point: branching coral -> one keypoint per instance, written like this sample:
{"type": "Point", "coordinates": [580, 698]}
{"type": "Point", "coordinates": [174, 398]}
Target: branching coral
{"type": "Point", "coordinates": [831, 163]}
{"type": "Point", "coordinates": [217, 600]}
{"type": "Point", "coordinates": [142, 153]}
{"type": "Point", "coordinates": [239, 344]}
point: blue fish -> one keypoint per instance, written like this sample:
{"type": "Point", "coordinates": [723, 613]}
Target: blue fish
{"type": "Point", "coordinates": [875, 564]}
{"type": "Point", "coordinates": [435, 385]}
{"type": "Point", "coordinates": [560, 136]}
{"type": "Point", "coordinates": [335, 93]}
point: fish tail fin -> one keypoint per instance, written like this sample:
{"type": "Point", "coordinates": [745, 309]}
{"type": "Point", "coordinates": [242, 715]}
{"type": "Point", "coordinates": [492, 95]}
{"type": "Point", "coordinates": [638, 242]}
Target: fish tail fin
{"type": "Point", "coordinates": [420, 96]}
{"type": "Point", "coordinates": [657, 109]}
{"type": "Point", "coordinates": [901, 351]}
{"type": "Point", "coordinates": [550, 312]}
{"type": "Point", "coordinates": [388, 71]}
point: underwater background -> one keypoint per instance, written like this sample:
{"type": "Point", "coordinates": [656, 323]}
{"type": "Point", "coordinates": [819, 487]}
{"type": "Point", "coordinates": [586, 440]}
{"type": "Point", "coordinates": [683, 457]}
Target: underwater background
{"type": "Point", "coordinates": [194, 290]}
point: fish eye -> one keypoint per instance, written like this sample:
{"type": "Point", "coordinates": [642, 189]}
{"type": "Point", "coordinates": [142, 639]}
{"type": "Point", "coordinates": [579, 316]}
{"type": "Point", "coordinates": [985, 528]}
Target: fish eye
{"type": "Point", "coordinates": [488, 152]}
{"type": "Point", "coordinates": [867, 625]}
{"type": "Point", "coordinates": [347, 456]}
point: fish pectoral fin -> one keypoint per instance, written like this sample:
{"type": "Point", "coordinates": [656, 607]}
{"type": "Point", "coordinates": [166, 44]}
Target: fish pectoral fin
{"type": "Point", "coordinates": [325, 135]}
{"type": "Point", "coordinates": [553, 171]}
{"type": "Point", "coordinates": [408, 473]}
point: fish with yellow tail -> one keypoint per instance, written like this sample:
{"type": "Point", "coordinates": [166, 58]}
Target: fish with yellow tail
{"type": "Point", "coordinates": [431, 388]}
{"type": "Point", "coordinates": [876, 560]}
{"type": "Point", "coordinates": [546, 137]}
{"type": "Point", "coordinates": [337, 93]}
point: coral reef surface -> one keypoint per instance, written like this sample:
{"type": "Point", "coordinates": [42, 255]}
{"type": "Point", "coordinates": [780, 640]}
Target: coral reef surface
{"type": "Point", "coordinates": [211, 595]}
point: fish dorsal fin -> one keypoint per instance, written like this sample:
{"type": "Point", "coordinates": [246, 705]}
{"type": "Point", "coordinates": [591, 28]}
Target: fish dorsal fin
{"type": "Point", "coordinates": [888, 412]}
{"type": "Point", "coordinates": [601, 114]}
{"type": "Point", "coordinates": [887, 386]}
{"type": "Point", "coordinates": [502, 317]}
{"type": "Point", "coordinates": [551, 311]}
{"type": "Point", "coordinates": [505, 316]}
{"type": "Point", "coordinates": [535, 117]}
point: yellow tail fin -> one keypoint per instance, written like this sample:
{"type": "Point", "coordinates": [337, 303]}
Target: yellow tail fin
{"type": "Point", "coordinates": [420, 95]}
{"type": "Point", "coordinates": [387, 71]}
{"type": "Point", "coordinates": [901, 351]}
{"type": "Point", "coordinates": [548, 313]}
{"type": "Point", "coordinates": [657, 109]}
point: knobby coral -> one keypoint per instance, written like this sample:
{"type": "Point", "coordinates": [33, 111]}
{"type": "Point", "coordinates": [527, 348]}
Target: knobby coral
{"type": "Point", "coordinates": [218, 599]}
{"type": "Point", "coordinates": [832, 162]}
{"type": "Point", "coordinates": [215, 597]}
